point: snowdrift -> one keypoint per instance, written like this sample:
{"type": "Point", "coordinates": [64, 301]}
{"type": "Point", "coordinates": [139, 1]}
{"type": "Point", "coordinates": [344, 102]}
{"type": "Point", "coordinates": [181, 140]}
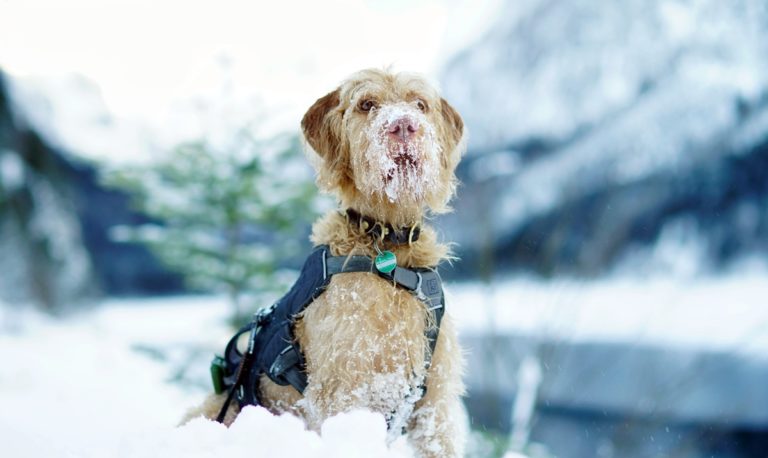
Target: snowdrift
{"type": "Point", "coordinates": [256, 432]}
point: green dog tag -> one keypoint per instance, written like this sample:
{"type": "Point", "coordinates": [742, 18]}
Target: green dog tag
{"type": "Point", "coordinates": [386, 262]}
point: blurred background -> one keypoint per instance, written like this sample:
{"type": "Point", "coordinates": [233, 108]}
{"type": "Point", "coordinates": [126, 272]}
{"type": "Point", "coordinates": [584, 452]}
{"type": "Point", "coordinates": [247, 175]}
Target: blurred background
{"type": "Point", "coordinates": [612, 222]}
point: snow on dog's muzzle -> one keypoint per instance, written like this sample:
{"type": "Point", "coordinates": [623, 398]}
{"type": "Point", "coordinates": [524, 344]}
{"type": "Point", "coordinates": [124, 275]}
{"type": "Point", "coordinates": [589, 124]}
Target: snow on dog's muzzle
{"type": "Point", "coordinates": [401, 161]}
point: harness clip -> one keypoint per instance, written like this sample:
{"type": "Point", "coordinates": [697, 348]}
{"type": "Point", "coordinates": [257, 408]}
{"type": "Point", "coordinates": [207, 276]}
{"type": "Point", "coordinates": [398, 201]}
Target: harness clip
{"type": "Point", "coordinates": [261, 316]}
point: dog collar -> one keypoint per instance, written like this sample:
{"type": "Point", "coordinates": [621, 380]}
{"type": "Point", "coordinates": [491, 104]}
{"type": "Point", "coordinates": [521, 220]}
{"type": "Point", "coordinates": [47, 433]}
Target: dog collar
{"type": "Point", "coordinates": [384, 231]}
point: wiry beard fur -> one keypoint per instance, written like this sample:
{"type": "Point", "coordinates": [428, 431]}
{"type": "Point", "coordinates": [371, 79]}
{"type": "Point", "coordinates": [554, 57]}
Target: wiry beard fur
{"type": "Point", "coordinates": [398, 171]}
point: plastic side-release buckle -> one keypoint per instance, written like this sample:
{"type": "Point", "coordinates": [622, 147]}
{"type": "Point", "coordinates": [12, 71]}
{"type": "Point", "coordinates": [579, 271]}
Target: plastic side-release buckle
{"type": "Point", "coordinates": [218, 368]}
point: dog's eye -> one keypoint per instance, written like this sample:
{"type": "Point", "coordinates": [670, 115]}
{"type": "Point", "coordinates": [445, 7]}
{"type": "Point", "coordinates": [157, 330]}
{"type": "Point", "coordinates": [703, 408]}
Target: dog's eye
{"type": "Point", "coordinates": [422, 105]}
{"type": "Point", "coordinates": [367, 105]}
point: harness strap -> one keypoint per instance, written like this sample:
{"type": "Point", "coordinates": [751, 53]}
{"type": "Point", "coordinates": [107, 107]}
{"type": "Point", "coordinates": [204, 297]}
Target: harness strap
{"type": "Point", "coordinates": [288, 368]}
{"type": "Point", "coordinates": [425, 284]}
{"type": "Point", "coordinates": [246, 363]}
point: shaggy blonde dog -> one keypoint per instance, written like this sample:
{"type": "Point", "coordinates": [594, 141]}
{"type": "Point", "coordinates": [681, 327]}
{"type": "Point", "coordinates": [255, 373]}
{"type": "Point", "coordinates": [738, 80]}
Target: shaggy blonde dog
{"type": "Point", "coordinates": [386, 145]}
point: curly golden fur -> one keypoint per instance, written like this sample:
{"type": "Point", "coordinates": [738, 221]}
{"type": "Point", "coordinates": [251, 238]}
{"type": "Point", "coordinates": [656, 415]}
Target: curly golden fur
{"type": "Point", "coordinates": [387, 146]}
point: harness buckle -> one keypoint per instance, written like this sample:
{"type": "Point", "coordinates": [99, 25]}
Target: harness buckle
{"type": "Point", "coordinates": [430, 299]}
{"type": "Point", "coordinates": [262, 316]}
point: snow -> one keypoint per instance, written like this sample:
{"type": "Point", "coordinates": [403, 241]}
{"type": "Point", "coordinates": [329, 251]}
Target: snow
{"type": "Point", "coordinates": [58, 226]}
{"type": "Point", "coordinates": [70, 113]}
{"type": "Point", "coordinates": [11, 171]}
{"type": "Point", "coordinates": [612, 94]}
{"type": "Point", "coordinates": [419, 156]}
{"type": "Point", "coordinates": [627, 150]}
{"type": "Point", "coordinates": [105, 381]}
{"type": "Point", "coordinates": [78, 384]}
{"type": "Point", "coordinates": [256, 432]}
{"type": "Point", "coordinates": [724, 314]}
{"type": "Point", "coordinates": [549, 72]}
{"type": "Point", "coordinates": [101, 384]}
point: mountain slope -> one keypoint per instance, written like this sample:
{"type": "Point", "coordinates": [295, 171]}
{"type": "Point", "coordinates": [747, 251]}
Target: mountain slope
{"type": "Point", "coordinates": [598, 130]}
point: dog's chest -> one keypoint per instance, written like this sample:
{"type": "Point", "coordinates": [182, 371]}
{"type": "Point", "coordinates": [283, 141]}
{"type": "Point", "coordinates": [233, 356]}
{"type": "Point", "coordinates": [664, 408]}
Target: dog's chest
{"type": "Point", "coordinates": [364, 323]}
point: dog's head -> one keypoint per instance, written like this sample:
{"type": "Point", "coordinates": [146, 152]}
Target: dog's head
{"type": "Point", "coordinates": [386, 140]}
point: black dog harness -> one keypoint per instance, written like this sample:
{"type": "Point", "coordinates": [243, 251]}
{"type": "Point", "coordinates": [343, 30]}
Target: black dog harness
{"type": "Point", "coordinates": [272, 348]}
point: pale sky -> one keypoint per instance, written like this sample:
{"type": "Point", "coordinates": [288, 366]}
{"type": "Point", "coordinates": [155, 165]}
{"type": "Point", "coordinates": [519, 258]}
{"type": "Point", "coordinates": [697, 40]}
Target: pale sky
{"type": "Point", "coordinates": [145, 55]}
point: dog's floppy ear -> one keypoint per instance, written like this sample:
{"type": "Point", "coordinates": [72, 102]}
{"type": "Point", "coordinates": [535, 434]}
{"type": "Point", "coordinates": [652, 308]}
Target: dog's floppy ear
{"type": "Point", "coordinates": [318, 129]}
{"type": "Point", "coordinates": [453, 122]}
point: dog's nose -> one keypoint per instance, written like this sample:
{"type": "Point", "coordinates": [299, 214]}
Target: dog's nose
{"type": "Point", "coordinates": [403, 128]}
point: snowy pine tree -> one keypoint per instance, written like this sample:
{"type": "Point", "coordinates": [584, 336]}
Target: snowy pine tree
{"type": "Point", "coordinates": [225, 216]}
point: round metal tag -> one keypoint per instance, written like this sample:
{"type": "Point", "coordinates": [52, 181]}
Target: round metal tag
{"type": "Point", "coordinates": [386, 262]}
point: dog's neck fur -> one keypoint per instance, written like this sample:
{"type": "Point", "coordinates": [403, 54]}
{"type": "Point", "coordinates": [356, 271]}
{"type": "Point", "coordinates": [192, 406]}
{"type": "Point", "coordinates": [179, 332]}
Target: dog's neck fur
{"type": "Point", "coordinates": [346, 239]}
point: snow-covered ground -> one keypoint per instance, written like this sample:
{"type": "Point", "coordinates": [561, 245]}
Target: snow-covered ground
{"type": "Point", "coordinates": [102, 384]}
{"type": "Point", "coordinates": [106, 382]}
{"type": "Point", "coordinates": [81, 384]}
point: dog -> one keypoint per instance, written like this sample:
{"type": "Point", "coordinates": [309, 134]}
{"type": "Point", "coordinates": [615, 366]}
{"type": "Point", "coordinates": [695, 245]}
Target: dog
{"type": "Point", "coordinates": [386, 145]}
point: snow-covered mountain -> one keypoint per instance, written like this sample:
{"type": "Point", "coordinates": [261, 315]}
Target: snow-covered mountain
{"type": "Point", "coordinates": [42, 255]}
{"type": "Point", "coordinates": [54, 214]}
{"type": "Point", "coordinates": [70, 113]}
{"type": "Point", "coordinates": [603, 133]}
